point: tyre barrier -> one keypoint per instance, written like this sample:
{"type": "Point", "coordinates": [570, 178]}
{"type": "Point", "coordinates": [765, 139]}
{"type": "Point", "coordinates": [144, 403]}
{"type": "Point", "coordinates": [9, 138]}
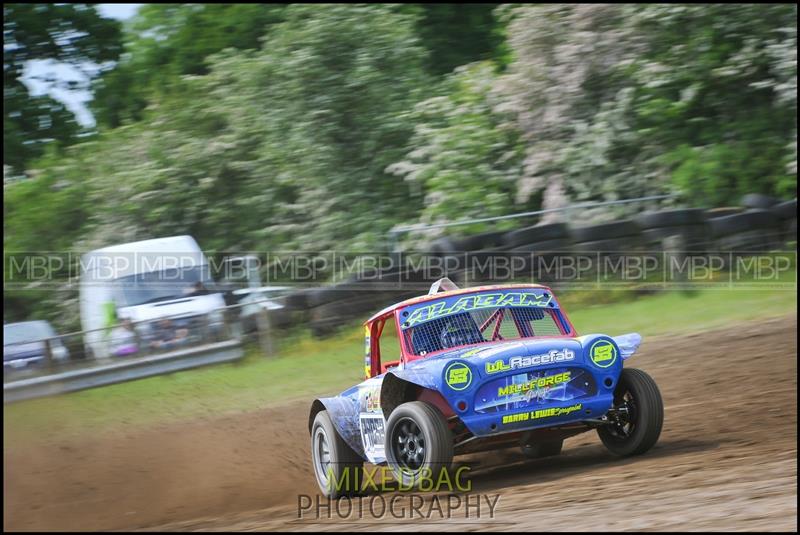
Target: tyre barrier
{"type": "Point", "coordinates": [763, 223]}
{"type": "Point", "coordinates": [692, 237]}
{"type": "Point", "coordinates": [744, 222]}
{"type": "Point", "coordinates": [660, 230]}
{"type": "Point", "coordinates": [326, 319]}
{"type": "Point", "coordinates": [606, 231]}
{"type": "Point", "coordinates": [298, 300]}
{"type": "Point", "coordinates": [785, 210]}
{"type": "Point", "coordinates": [671, 218]}
{"type": "Point", "coordinates": [531, 260]}
{"type": "Point", "coordinates": [535, 234]}
{"type": "Point", "coordinates": [722, 211]}
{"type": "Point", "coordinates": [485, 240]}
{"type": "Point", "coordinates": [547, 246]}
{"type": "Point", "coordinates": [759, 201]}
{"type": "Point", "coordinates": [607, 241]}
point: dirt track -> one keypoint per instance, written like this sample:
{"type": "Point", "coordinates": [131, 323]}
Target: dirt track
{"type": "Point", "coordinates": [726, 460]}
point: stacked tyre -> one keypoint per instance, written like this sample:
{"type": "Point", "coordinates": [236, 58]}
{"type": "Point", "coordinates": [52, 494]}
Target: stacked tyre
{"type": "Point", "coordinates": [616, 237]}
{"type": "Point", "coordinates": [532, 249]}
{"type": "Point", "coordinates": [786, 212]}
{"type": "Point", "coordinates": [684, 229]}
{"type": "Point", "coordinates": [485, 257]}
{"type": "Point", "coordinates": [333, 306]}
{"type": "Point", "coordinates": [751, 231]}
{"type": "Point", "coordinates": [445, 259]}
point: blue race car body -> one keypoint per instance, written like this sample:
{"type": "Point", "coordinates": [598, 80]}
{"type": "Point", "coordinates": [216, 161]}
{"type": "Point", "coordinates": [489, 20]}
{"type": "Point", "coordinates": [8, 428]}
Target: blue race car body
{"type": "Point", "coordinates": [502, 364]}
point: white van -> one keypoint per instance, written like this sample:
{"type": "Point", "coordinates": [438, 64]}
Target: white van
{"type": "Point", "coordinates": [146, 281]}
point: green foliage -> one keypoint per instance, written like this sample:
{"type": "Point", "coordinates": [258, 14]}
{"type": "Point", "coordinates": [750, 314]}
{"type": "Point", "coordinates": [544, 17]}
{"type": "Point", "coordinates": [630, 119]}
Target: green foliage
{"type": "Point", "coordinates": [456, 34]}
{"type": "Point", "coordinates": [70, 33]}
{"type": "Point", "coordinates": [715, 79]}
{"type": "Point", "coordinates": [322, 126]}
{"type": "Point", "coordinates": [465, 158]}
{"type": "Point", "coordinates": [49, 209]}
{"type": "Point", "coordinates": [166, 41]}
{"type": "Point", "coordinates": [333, 85]}
{"type": "Point", "coordinates": [626, 100]}
{"type": "Point", "coordinates": [283, 147]}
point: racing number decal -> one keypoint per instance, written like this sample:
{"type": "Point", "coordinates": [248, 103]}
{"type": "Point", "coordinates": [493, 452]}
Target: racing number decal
{"type": "Point", "coordinates": [603, 353]}
{"type": "Point", "coordinates": [458, 376]}
{"type": "Point", "coordinates": [372, 436]}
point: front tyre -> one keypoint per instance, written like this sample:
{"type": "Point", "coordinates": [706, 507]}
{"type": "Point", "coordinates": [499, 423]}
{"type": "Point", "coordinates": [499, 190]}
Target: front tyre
{"type": "Point", "coordinates": [419, 443]}
{"type": "Point", "coordinates": [637, 415]}
{"type": "Point", "coordinates": [337, 467]}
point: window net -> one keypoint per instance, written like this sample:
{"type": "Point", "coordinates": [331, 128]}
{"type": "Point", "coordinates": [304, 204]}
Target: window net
{"type": "Point", "coordinates": [483, 325]}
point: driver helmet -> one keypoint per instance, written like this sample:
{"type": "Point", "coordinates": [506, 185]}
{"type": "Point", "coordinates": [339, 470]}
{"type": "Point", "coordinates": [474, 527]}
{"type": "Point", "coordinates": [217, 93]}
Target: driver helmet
{"type": "Point", "coordinates": [456, 333]}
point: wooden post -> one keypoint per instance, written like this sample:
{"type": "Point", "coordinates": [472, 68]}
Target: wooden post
{"type": "Point", "coordinates": [264, 331]}
{"type": "Point", "coordinates": [138, 340]}
{"type": "Point", "coordinates": [675, 247]}
{"type": "Point", "coordinates": [48, 354]}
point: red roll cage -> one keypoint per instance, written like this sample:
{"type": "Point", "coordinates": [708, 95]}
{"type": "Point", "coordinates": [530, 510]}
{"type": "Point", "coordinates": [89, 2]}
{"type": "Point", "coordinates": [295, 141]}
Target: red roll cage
{"type": "Point", "coordinates": [376, 324]}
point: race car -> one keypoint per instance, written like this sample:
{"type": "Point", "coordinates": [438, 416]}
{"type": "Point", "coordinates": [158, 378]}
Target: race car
{"type": "Point", "coordinates": [466, 370]}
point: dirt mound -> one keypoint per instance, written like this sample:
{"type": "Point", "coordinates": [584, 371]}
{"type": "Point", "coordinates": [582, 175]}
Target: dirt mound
{"type": "Point", "coordinates": [727, 459]}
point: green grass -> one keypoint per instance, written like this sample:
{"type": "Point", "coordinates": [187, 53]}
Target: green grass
{"type": "Point", "coordinates": [305, 368]}
{"type": "Point", "coordinates": [675, 313]}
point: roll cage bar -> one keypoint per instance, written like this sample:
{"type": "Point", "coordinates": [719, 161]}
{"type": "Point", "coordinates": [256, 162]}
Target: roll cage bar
{"type": "Point", "coordinates": [374, 328]}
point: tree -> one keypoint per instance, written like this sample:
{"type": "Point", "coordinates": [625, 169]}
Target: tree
{"type": "Point", "coordinates": [713, 94]}
{"type": "Point", "coordinates": [332, 88]}
{"type": "Point", "coordinates": [69, 33]}
{"type": "Point", "coordinates": [456, 34]}
{"type": "Point", "coordinates": [464, 158]}
{"type": "Point", "coordinates": [167, 41]}
{"type": "Point", "coordinates": [627, 100]}
{"type": "Point", "coordinates": [282, 147]}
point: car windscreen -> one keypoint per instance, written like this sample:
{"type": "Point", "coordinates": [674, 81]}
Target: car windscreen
{"type": "Point", "coordinates": [164, 285]}
{"type": "Point", "coordinates": [481, 325]}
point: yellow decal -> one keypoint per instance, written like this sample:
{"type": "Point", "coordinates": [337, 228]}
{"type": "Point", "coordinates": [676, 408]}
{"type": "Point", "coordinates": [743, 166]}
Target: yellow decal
{"type": "Point", "coordinates": [541, 413]}
{"type": "Point", "coordinates": [497, 366]}
{"type": "Point", "coordinates": [603, 353]}
{"type": "Point", "coordinates": [458, 376]}
{"type": "Point", "coordinates": [476, 302]}
{"type": "Point", "coordinates": [534, 384]}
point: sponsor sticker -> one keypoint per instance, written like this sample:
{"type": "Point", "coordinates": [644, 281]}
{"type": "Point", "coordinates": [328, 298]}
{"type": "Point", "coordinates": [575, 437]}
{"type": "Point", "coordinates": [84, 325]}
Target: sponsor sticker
{"type": "Point", "coordinates": [603, 353]}
{"type": "Point", "coordinates": [371, 399]}
{"type": "Point", "coordinates": [373, 436]}
{"type": "Point", "coordinates": [477, 302]}
{"type": "Point", "coordinates": [541, 413]}
{"type": "Point", "coordinates": [458, 376]}
{"type": "Point", "coordinates": [514, 363]}
{"type": "Point", "coordinates": [534, 387]}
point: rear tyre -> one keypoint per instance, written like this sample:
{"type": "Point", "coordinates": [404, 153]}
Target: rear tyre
{"type": "Point", "coordinates": [337, 467]}
{"type": "Point", "coordinates": [537, 450]}
{"type": "Point", "coordinates": [637, 416]}
{"type": "Point", "coordinates": [419, 443]}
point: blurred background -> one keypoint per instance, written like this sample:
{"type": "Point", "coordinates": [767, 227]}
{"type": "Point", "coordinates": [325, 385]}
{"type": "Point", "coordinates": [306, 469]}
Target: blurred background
{"type": "Point", "coordinates": [298, 127]}
{"type": "Point", "coordinates": [475, 135]}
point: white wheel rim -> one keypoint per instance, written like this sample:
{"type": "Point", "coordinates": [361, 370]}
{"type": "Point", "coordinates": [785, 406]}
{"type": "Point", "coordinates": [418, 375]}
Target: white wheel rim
{"type": "Point", "coordinates": [322, 457]}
